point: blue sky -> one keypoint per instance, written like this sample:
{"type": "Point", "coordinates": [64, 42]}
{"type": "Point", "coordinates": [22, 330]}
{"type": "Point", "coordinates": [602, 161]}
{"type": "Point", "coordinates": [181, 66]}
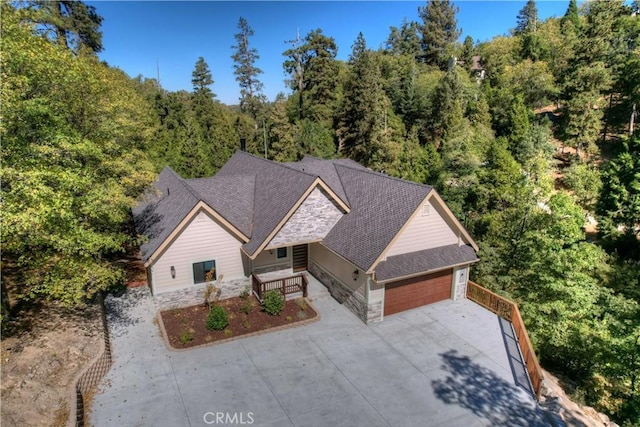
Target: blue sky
{"type": "Point", "coordinates": [138, 36]}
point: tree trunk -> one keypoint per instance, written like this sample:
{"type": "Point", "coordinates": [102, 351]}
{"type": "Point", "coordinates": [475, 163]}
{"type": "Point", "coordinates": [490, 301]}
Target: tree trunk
{"type": "Point", "coordinates": [632, 120]}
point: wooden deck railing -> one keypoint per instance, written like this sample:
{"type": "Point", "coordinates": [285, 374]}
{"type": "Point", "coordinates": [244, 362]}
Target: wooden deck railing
{"type": "Point", "coordinates": [285, 285]}
{"type": "Point", "coordinates": [509, 311]}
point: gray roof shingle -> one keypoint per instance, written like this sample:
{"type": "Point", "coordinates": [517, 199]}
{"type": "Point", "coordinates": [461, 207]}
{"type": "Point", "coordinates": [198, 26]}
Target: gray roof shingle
{"type": "Point", "coordinates": [380, 206]}
{"type": "Point", "coordinates": [277, 189]}
{"type": "Point", "coordinates": [255, 194]}
{"type": "Point", "coordinates": [423, 261]}
{"type": "Point", "coordinates": [162, 208]}
{"type": "Point", "coordinates": [230, 196]}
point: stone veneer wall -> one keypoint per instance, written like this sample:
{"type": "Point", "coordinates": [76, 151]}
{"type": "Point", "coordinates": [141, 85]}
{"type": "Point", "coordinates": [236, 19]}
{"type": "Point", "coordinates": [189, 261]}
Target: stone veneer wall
{"type": "Point", "coordinates": [344, 295]}
{"type": "Point", "coordinates": [461, 291]}
{"type": "Point", "coordinates": [374, 312]}
{"type": "Point", "coordinates": [192, 295]}
{"type": "Point", "coordinates": [313, 219]}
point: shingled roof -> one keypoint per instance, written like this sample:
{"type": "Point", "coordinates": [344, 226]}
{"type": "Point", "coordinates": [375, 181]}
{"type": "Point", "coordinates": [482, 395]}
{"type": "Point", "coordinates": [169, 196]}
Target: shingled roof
{"type": "Point", "coordinates": [161, 209]}
{"type": "Point", "coordinates": [380, 206]}
{"type": "Point", "coordinates": [426, 260]}
{"type": "Point", "coordinates": [277, 189]}
{"type": "Point", "coordinates": [255, 195]}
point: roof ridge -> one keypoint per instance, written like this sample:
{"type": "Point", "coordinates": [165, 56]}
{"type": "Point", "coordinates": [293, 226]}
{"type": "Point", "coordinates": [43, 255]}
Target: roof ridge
{"type": "Point", "coordinates": [346, 196]}
{"type": "Point", "coordinates": [384, 175]}
{"type": "Point", "coordinates": [278, 163]}
{"type": "Point", "coordinates": [190, 189]}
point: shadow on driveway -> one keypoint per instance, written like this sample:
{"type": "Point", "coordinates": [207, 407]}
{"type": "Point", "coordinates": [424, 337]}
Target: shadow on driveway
{"type": "Point", "coordinates": [481, 391]}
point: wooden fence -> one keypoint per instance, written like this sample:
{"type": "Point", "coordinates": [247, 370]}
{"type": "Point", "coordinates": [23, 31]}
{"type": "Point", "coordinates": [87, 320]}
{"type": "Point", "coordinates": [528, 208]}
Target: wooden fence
{"type": "Point", "coordinates": [286, 285]}
{"type": "Point", "coordinates": [509, 311]}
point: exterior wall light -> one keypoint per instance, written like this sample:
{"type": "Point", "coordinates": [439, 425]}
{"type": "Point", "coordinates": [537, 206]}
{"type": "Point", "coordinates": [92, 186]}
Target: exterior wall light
{"type": "Point", "coordinates": [355, 275]}
{"type": "Point", "coordinates": [173, 272]}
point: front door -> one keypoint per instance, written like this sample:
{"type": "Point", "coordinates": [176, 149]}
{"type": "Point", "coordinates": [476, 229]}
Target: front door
{"type": "Point", "coordinates": [299, 258]}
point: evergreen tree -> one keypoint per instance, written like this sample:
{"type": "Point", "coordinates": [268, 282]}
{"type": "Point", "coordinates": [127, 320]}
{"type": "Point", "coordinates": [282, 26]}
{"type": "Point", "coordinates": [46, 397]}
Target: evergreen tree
{"type": "Point", "coordinates": [362, 120]}
{"type": "Point", "coordinates": [467, 52]}
{"type": "Point", "coordinates": [619, 203]}
{"type": "Point", "coordinates": [202, 79]}
{"type": "Point", "coordinates": [281, 134]}
{"type": "Point", "coordinates": [246, 71]}
{"type": "Point", "coordinates": [571, 16]}
{"type": "Point", "coordinates": [527, 18]}
{"type": "Point", "coordinates": [439, 31]}
{"type": "Point", "coordinates": [405, 40]}
{"type": "Point", "coordinates": [314, 75]}
{"type": "Point", "coordinates": [75, 25]}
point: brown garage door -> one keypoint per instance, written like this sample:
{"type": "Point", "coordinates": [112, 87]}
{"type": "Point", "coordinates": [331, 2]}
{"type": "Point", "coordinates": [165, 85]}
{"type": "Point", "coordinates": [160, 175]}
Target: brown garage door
{"type": "Point", "coordinates": [417, 291]}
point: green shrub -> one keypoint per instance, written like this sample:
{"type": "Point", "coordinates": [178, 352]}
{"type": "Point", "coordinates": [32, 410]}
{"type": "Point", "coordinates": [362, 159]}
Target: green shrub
{"type": "Point", "coordinates": [217, 318]}
{"type": "Point", "coordinates": [288, 318]}
{"type": "Point", "coordinates": [301, 314]}
{"type": "Point", "coordinates": [228, 332]}
{"type": "Point", "coordinates": [246, 306]}
{"type": "Point", "coordinates": [273, 303]}
{"type": "Point", "coordinates": [185, 337]}
{"type": "Point", "coordinates": [244, 294]}
{"type": "Point", "coordinates": [246, 324]}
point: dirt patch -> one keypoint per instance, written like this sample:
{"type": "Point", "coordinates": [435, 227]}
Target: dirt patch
{"type": "Point", "coordinates": [186, 327]}
{"type": "Point", "coordinates": [42, 353]}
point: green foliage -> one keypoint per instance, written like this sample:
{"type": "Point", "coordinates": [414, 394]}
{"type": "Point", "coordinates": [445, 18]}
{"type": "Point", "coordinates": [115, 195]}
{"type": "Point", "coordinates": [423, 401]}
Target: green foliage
{"type": "Point", "coordinates": [585, 183]}
{"type": "Point", "coordinates": [247, 306]}
{"type": "Point", "coordinates": [217, 319]}
{"type": "Point", "coordinates": [619, 203]}
{"type": "Point", "coordinates": [314, 72]}
{"type": "Point", "coordinates": [185, 336]}
{"type": "Point", "coordinates": [72, 132]}
{"type": "Point", "coordinates": [273, 303]}
{"type": "Point", "coordinates": [246, 71]}
{"type": "Point", "coordinates": [439, 31]}
{"type": "Point", "coordinates": [74, 25]}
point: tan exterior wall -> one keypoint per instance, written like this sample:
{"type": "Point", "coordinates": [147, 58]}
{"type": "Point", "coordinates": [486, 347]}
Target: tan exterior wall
{"type": "Point", "coordinates": [202, 240]}
{"type": "Point", "coordinates": [269, 257]}
{"type": "Point", "coordinates": [338, 267]}
{"type": "Point", "coordinates": [424, 232]}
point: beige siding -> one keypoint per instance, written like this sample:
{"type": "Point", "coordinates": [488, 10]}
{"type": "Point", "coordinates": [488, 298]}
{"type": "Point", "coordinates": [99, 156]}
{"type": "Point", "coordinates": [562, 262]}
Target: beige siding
{"type": "Point", "coordinates": [202, 240]}
{"type": "Point", "coordinates": [424, 232]}
{"type": "Point", "coordinates": [269, 257]}
{"type": "Point", "coordinates": [338, 267]}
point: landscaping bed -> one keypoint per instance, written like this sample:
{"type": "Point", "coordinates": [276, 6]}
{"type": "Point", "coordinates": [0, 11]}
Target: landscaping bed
{"type": "Point", "coordinates": [187, 327]}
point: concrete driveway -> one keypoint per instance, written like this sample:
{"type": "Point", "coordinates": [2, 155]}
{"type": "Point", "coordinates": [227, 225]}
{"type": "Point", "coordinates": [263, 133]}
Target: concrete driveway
{"type": "Point", "coordinates": [447, 364]}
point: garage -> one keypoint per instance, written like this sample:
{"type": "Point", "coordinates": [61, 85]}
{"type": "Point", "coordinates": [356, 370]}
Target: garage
{"type": "Point", "coordinates": [417, 291]}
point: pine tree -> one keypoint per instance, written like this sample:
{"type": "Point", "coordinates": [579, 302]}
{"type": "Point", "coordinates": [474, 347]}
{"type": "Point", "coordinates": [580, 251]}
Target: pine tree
{"type": "Point", "coordinates": [75, 25]}
{"type": "Point", "coordinates": [467, 52]}
{"type": "Point", "coordinates": [246, 71]}
{"type": "Point", "coordinates": [201, 79]}
{"type": "Point", "coordinates": [363, 130]}
{"type": "Point", "coordinates": [283, 146]}
{"type": "Point", "coordinates": [405, 40]}
{"type": "Point", "coordinates": [571, 16]}
{"type": "Point", "coordinates": [314, 75]}
{"type": "Point", "coordinates": [527, 18]}
{"type": "Point", "coordinates": [439, 31]}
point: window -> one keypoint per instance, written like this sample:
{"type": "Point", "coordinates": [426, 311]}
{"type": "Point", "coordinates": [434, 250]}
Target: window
{"type": "Point", "coordinates": [200, 270]}
{"type": "Point", "coordinates": [282, 253]}
{"type": "Point", "coordinates": [426, 209]}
